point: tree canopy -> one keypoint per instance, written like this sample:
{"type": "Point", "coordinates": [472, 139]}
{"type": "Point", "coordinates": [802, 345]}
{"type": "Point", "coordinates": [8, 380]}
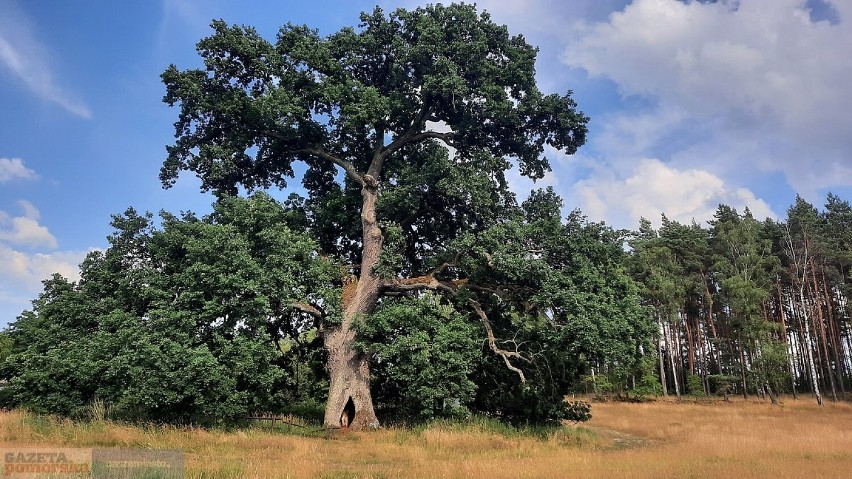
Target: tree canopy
{"type": "Point", "coordinates": [403, 231]}
{"type": "Point", "coordinates": [370, 111]}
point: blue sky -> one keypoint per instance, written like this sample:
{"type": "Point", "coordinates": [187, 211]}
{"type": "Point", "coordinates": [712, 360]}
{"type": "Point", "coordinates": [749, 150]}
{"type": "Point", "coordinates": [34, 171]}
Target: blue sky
{"type": "Point", "coordinates": [693, 103]}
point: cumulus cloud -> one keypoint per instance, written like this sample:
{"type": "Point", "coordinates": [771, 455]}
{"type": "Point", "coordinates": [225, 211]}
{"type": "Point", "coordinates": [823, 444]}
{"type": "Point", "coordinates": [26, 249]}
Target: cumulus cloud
{"type": "Point", "coordinates": [749, 85]}
{"type": "Point", "coordinates": [22, 54]}
{"type": "Point", "coordinates": [14, 169]}
{"type": "Point", "coordinates": [654, 188]}
{"type": "Point", "coordinates": [23, 273]}
{"type": "Point", "coordinates": [27, 257]}
{"type": "Point", "coordinates": [29, 269]}
{"type": "Point", "coordinates": [25, 230]}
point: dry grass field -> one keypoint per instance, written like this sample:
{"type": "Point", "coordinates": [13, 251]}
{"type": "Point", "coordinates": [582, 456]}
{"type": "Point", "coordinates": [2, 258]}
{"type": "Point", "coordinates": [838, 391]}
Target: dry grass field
{"type": "Point", "coordinates": [660, 439]}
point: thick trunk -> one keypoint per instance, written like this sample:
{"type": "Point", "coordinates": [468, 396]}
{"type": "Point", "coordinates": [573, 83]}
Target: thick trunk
{"type": "Point", "coordinates": [349, 401]}
{"type": "Point", "coordinates": [350, 404]}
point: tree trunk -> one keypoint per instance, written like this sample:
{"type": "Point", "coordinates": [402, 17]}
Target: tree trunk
{"type": "Point", "coordinates": [708, 295]}
{"type": "Point", "coordinates": [839, 361]}
{"type": "Point", "coordinates": [743, 368]}
{"type": "Point", "coordinates": [808, 346]}
{"type": "Point", "coordinates": [669, 345]}
{"type": "Point", "coordinates": [662, 359]}
{"type": "Point", "coordinates": [819, 323]}
{"type": "Point", "coordinates": [690, 343]}
{"type": "Point", "coordinates": [789, 347]}
{"type": "Point", "coordinates": [350, 403]}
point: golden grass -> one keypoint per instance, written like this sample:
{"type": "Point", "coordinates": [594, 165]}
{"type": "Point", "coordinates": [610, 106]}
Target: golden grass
{"type": "Point", "coordinates": [661, 439]}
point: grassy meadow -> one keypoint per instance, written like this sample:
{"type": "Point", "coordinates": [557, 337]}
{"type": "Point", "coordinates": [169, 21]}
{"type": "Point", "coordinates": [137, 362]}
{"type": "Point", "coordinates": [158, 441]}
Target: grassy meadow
{"type": "Point", "coordinates": [661, 439]}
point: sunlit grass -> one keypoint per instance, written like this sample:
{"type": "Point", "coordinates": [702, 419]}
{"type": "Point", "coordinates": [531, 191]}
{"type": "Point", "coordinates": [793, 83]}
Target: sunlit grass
{"type": "Point", "coordinates": [649, 440]}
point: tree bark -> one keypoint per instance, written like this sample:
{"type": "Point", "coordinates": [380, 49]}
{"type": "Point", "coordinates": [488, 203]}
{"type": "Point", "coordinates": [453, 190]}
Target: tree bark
{"type": "Point", "coordinates": [669, 346]}
{"type": "Point", "coordinates": [785, 340]}
{"type": "Point", "coordinates": [708, 295]}
{"type": "Point", "coordinates": [662, 358]}
{"type": "Point", "coordinates": [690, 343]}
{"type": "Point", "coordinates": [819, 323]}
{"type": "Point", "coordinates": [743, 368]}
{"type": "Point", "coordinates": [349, 400]}
{"type": "Point", "coordinates": [839, 361]}
{"type": "Point", "coordinates": [808, 346]}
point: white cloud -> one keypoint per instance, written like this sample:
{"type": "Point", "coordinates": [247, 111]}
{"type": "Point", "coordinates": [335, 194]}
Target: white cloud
{"type": "Point", "coordinates": [25, 230]}
{"type": "Point", "coordinates": [30, 211]}
{"type": "Point", "coordinates": [755, 84]}
{"type": "Point", "coordinates": [13, 168]}
{"type": "Point", "coordinates": [30, 61]}
{"type": "Point", "coordinates": [23, 273]}
{"type": "Point", "coordinates": [654, 188]}
{"type": "Point", "coordinates": [23, 269]}
{"type": "Point", "coordinates": [29, 269]}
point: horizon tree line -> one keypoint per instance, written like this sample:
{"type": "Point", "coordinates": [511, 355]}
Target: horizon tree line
{"type": "Point", "coordinates": [747, 306]}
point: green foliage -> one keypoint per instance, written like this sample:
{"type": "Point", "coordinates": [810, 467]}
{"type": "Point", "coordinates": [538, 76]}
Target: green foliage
{"type": "Point", "coordinates": [423, 355]}
{"type": "Point", "coordinates": [309, 409]}
{"type": "Point", "coordinates": [363, 100]}
{"type": "Point", "coordinates": [771, 366]}
{"type": "Point", "coordinates": [177, 324]}
{"type": "Point", "coordinates": [722, 384]}
{"type": "Point", "coordinates": [694, 385]}
{"type": "Point", "coordinates": [645, 381]}
{"type": "Point", "coordinates": [342, 92]}
{"type": "Point", "coordinates": [575, 308]}
{"type": "Point", "coordinates": [5, 346]}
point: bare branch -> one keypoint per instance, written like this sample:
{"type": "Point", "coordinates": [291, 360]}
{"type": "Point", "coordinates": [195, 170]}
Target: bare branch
{"type": "Point", "coordinates": [489, 258]}
{"type": "Point", "coordinates": [492, 290]}
{"type": "Point", "coordinates": [399, 285]}
{"type": "Point", "coordinates": [348, 167]}
{"type": "Point", "coordinates": [492, 342]}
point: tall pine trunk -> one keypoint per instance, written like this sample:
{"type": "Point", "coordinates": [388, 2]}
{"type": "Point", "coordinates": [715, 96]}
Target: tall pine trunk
{"type": "Point", "coordinates": [350, 403]}
{"type": "Point", "coordinates": [808, 346]}
{"type": "Point", "coordinates": [662, 357]}
{"type": "Point", "coordinates": [819, 323]}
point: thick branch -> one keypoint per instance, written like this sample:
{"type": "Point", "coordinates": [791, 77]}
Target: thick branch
{"type": "Point", "coordinates": [440, 269]}
{"type": "Point", "coordinates": [407, 138]}
{"type": "Point", "coordinates": [451, 287]}
{"type": "Point", "coordinates": [348, 167]}
{"type": "Point", "coordinates": [420, 283]}
{"type": "Point", "coordinates": [492, 342]}
{"type": "Point", "coordinates": [308, 309]}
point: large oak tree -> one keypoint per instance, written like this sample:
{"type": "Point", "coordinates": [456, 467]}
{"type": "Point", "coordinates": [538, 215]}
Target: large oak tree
{"type": "Point", "coordinates": [365, 116]}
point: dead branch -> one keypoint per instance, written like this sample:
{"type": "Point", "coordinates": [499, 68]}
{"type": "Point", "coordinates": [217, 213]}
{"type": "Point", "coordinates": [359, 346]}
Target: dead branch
{"type": "Point", "coordinates": [492, 342]}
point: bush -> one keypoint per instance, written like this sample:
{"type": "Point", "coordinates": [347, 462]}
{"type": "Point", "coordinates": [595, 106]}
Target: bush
{"type": "Point", "coordinates": [694, 385]}
{"type": "Point", "coordinates": [423, 355]}
{"type": "Point", "coordinates": [577, 411]}
{"type": "Point", "coordinates": [722, 385]}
